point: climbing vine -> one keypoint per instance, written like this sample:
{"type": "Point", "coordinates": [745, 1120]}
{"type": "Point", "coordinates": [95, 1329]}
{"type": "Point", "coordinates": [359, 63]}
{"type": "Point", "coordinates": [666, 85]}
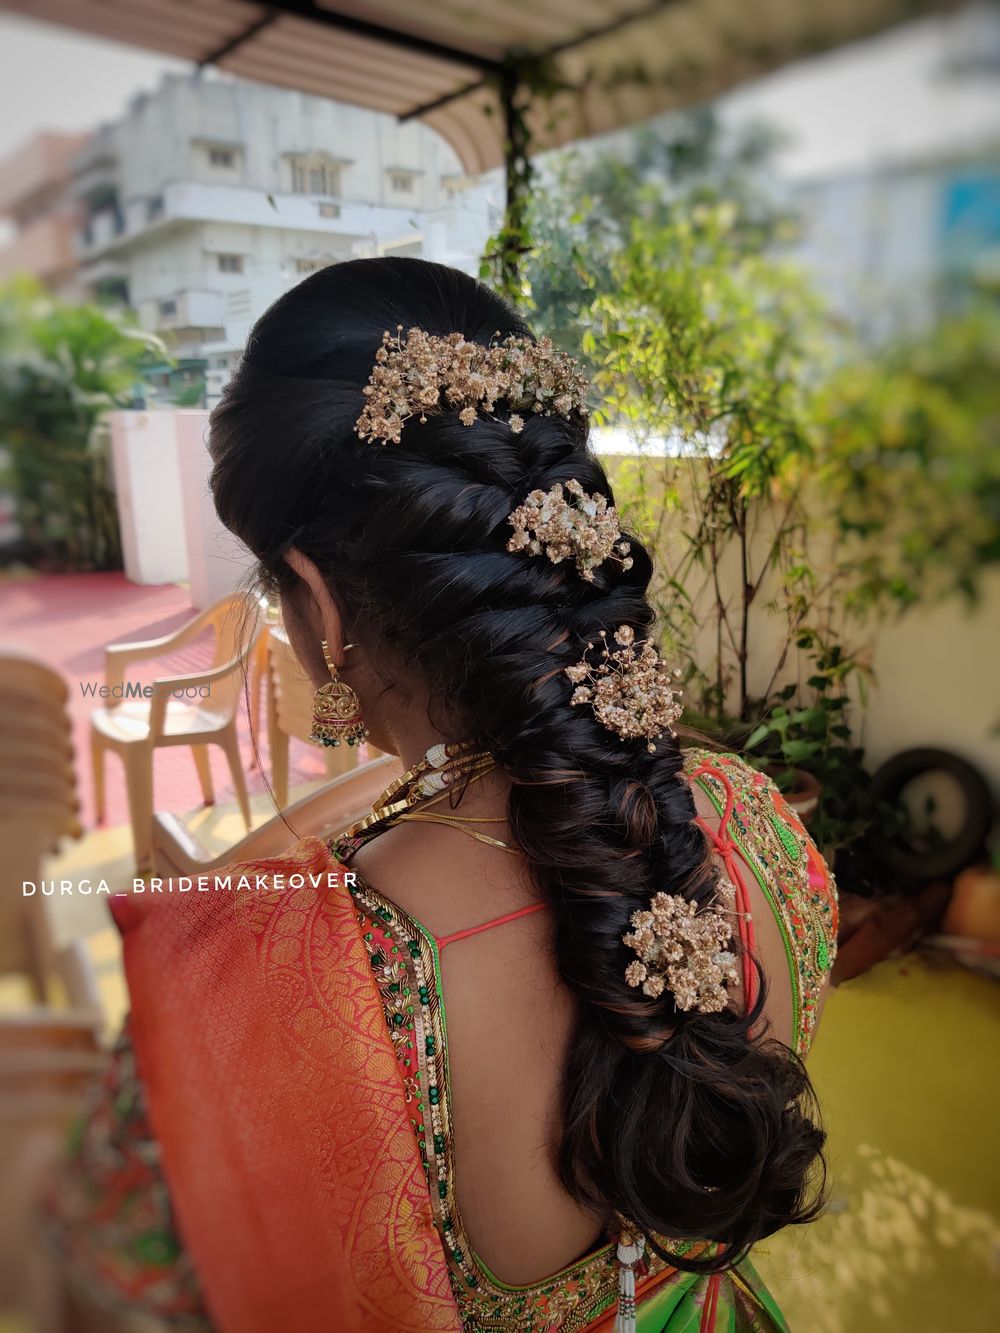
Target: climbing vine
{"type": "Point", "coordinates": [524, 82]}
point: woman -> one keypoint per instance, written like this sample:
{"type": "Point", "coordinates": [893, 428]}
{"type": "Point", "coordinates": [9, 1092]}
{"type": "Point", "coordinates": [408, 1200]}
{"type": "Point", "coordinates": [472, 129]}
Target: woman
{"type": "Point", "coordinates": [631, 943]}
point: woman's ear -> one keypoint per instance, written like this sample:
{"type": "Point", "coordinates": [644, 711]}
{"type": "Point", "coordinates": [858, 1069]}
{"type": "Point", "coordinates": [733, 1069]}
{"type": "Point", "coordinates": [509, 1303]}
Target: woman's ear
{"type": "Point", "coordinates": [325, 615]}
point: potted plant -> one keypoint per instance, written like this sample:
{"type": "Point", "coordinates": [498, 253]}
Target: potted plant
{"type": "Point", "coordinates": [785, 740]}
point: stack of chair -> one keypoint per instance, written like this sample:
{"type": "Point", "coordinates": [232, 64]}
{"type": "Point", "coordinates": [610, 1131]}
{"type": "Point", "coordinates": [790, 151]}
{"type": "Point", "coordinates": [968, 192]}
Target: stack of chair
{"type": "Point", "coordinates": [38, 808]}
{"type": "Point", "coordinates": [48, 1055]}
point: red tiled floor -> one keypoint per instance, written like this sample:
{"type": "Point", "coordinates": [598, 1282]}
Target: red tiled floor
{"type": "Point", "coordinates": [67, 620]}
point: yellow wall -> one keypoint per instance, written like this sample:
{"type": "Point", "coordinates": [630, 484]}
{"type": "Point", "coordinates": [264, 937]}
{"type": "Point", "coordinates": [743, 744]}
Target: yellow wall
{"type": "Point", "coordinates": [938, 682]}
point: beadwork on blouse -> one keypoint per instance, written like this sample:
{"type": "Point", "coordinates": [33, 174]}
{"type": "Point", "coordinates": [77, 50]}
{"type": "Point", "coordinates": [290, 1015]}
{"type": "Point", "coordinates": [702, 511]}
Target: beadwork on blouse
{"type": "Point", "coordinates": [406, 966]}
{"type": "Point", "coordinates": [793, 877]}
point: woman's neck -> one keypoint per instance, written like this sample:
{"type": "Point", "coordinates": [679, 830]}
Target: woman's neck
{"type": "Point", "coordinates": [486, 795]}
{"type": "Point", "coordinates": [409, 740]}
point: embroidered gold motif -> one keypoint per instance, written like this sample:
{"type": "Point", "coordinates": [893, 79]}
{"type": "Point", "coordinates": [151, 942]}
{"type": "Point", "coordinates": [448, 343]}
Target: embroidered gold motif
{"type": "Point", "coordinates": [792, 875]}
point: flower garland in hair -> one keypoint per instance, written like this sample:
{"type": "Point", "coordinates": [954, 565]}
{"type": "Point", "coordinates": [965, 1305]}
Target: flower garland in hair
{"type": "Point", "coordinates": [630, 690]}
{"type": "Point", "coordinates": [581, 527]}
{"type": "Point", "coordinates": [422, 372]}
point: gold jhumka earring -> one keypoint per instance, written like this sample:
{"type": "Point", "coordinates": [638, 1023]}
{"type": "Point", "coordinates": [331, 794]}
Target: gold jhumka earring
{"type": "Point", "coordinates": [336, 710]}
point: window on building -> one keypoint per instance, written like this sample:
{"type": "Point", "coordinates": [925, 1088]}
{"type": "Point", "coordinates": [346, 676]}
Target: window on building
{"type": "Point", "coordinates": [328, 210]}
{"type": "Point", "coordinates": [412, 249]}
{"type": "Point", "coordinates": [221, 157]}
{"type": "Point", "coordinates": [315, 175]}
{"type": "Point", "coordinates": [168, 307]}
{"type": "Point", "coordinates": [402, 182]}
{"type": "Point", "coordinates": [111, 291]}
{"type": "Point", "coordinates": [312, 263]}
{"type": "Point", "coordinates": [230, 263]}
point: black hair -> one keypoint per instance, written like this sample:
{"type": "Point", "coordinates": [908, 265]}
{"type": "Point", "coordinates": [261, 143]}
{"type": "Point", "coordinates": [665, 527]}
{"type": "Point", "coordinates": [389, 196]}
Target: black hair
{"type": "Point", "coordinates": [678, 1122]}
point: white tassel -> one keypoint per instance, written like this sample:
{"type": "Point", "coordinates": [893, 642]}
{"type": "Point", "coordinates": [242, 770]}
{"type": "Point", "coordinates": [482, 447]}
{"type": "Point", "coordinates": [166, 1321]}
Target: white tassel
{"type": "Point", "coordinates": [437, 756]}
{"type": "Point", "coordinates": [630, 1251]}
{"type": "Point", "coordinates": [431, 783]}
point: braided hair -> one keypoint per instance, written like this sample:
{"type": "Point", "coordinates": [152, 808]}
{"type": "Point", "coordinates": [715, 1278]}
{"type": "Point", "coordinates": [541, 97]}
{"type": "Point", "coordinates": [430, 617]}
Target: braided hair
{"type": "Point", "coordinates": [677, 1121]}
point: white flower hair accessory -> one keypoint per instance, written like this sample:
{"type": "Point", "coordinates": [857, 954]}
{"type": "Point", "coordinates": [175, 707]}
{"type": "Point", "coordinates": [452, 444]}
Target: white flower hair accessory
{"type": "Point", "coordinates": [631, 691]}
{"type": "Point", "coordinates": [565, 523]}
{"type": "Point", "coordinates": [682, 949]}
{"type": "Point", "coordinates": [418, 373]}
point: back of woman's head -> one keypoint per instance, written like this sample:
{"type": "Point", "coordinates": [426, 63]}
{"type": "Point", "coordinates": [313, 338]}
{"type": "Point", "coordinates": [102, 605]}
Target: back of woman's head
{"type": "Point", "coordinates": [676, 1121]}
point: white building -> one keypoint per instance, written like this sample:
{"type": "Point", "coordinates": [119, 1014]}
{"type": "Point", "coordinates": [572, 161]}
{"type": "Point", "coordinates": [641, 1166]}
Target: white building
{"type": "Point", "coordinates": [894, 249]}
{"type": "Point", "coordinates": [211, 197]}
{"type": "Point", "coordinates": [890, 156]}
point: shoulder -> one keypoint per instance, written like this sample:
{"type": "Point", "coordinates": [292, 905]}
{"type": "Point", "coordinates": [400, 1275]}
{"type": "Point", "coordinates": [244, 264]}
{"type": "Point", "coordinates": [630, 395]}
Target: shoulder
{"type": "Point", "coordinates": [751, 807]}
{"type": "Point", "coordinates": [746, 816]}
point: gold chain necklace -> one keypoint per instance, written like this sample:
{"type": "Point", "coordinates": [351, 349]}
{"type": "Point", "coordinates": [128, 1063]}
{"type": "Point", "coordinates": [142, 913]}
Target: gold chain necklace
{"type": "Point", "coordinates": [460, 822]}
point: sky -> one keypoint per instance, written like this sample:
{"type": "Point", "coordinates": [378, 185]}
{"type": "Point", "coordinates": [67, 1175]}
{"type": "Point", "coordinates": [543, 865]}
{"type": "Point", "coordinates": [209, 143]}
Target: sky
{"type": "Point", "coordinates": [54, 79]}
{"type": "Point", "coordinates": [884, 97]}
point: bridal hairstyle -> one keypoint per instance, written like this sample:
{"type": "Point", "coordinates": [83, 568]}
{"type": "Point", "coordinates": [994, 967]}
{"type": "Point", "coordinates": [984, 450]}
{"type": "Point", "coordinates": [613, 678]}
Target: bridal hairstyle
{"type": "Point", "coordinates": [677, 1122]}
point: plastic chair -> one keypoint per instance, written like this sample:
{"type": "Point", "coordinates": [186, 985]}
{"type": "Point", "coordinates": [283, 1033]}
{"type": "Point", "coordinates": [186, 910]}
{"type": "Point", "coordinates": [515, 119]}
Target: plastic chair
{"type": "Point", "coordinates": [135, 728]}
{"type": "Point", "coordinates": [323, 813]}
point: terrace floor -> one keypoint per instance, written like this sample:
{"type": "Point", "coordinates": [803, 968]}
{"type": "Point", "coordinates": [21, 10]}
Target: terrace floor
{"type": "Point", "coordinates": [905, 1069]}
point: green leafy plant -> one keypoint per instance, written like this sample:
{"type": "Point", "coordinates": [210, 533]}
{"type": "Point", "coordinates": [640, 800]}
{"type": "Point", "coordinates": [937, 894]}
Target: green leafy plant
{"type": "Point", "coordinates": [791, 483]}
{"type": "Point", "coordinates": [818, 739]}
{"type": "Point", "coordinates": [706, 355]}
{"type": "Point", "coordinates": [61, 368]}
{"type": "Point", "coordinates": [796, 486]}
{"type": "Point", "coordinates": [910, 462]}
{"type": "Point", "coordinates": [524, 85]}
{"type": "Point", "coordinates": [567, 215]}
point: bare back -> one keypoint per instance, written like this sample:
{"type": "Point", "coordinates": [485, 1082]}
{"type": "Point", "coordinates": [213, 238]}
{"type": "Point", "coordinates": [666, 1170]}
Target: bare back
{"type": "Point", "coordinates": [510, 1020]}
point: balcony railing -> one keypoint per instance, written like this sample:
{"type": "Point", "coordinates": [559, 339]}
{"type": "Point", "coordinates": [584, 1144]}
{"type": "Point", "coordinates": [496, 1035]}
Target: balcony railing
{"type": "Point", "coordinates": [196, 202]}
{"type": "Point", "coordinates": [191, 309]}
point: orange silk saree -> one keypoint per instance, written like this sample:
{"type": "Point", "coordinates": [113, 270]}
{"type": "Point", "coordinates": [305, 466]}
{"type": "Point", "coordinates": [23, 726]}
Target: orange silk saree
{"type": "Point", "coordinates": [275, 1095]}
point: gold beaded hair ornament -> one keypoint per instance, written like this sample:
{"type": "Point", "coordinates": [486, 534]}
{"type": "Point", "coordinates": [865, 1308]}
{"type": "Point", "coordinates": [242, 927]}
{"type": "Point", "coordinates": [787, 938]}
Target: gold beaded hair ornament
{"type": "Point", "coordinates": [565, 523]}
{"type": "Point", "coordinates": [632, 692]}
{"type": "Point", "coordinates": [421, 373]}
{"type": "Point", "coordinates": [683, 949]}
